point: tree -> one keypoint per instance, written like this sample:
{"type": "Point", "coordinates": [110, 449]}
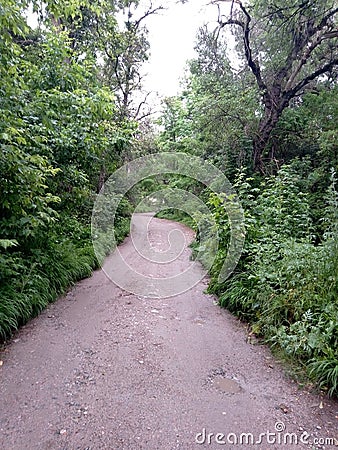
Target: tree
{"type": "Point", "coordinates": [114, 34]}
{"type": "Point", "coordinates": [287, 46]}
{"type": "Point", "coordinates": [124, 56]}
{"type": "Point", "coordinates": [60, 137]}
{"type": "Point", "coordinates": [222, 102]}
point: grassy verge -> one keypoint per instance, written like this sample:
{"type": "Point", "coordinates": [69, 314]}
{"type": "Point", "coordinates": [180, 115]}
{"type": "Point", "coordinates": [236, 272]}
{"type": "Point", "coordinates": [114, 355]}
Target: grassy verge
{"type": "Point", "coordinates": [31, 280]}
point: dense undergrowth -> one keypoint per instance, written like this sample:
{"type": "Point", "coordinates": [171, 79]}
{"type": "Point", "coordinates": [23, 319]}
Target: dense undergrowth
{"type": "Point", "coordinates": [30, 280]}
{"type": "Point", "coordinates": [61, 136]}
{"type": "Point", "coordinates": [286, 283]}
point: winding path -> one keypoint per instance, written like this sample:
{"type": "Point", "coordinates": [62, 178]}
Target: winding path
{"type": "Point", "coordinates": [103, 368]}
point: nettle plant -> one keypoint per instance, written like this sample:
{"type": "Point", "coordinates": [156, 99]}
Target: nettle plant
{"type": "Point", "coordinates": [285, 284]}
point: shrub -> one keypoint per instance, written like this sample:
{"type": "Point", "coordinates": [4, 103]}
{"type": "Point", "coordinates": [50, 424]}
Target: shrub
{"type": "Point", "coordinates": [286, 284]}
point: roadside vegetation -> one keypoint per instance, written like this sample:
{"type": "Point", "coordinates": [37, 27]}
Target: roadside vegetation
{"type": "Point", "coordinates": [64, 128]}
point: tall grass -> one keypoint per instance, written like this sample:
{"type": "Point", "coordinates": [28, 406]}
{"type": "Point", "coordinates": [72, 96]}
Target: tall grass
{"type": "Point", "coordinates": [30, 281]}
{"type": "Point", "coordinates": [41, 279]}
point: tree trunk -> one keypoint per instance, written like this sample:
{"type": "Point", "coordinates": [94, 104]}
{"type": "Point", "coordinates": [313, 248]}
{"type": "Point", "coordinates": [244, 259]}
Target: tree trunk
{"type": "Point", "coordinates": [102, 178]}
{"type": "Point", "coordinates": [261, 140]}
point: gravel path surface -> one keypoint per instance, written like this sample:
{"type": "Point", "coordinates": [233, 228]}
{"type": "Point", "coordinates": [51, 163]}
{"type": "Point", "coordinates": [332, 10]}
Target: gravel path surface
{"type": "Point", "coordinates": [103, 368]}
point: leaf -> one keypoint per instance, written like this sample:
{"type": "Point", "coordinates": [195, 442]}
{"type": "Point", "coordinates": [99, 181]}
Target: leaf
{"type": "Point", "coordinates": [7, 243]}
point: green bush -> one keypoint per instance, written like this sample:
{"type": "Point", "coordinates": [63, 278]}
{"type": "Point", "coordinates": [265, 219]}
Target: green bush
{"type": "Point", "coordinates": [286, 283]}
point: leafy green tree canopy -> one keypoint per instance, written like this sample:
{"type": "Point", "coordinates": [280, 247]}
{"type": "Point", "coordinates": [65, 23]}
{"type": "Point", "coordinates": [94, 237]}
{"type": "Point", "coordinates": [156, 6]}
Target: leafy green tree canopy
{"type": "Point", "coordinates": [287, 46]}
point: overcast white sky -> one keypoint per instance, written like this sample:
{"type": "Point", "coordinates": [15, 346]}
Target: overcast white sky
{"type": "Point", "coordinates": [172, 35]}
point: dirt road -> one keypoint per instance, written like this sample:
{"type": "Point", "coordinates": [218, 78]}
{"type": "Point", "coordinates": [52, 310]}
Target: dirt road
{"type": "Point", "coordinates": [103, 368]}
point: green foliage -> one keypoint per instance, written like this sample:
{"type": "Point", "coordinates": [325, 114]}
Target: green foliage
{"type": "Point", "coordinates": [60, 139]}
{"type": "Point", "coordinates": [29, 284]}
{"type": "Point", "coordinates": [24, 199]}
{"type": "Point", "coordinates": [7, 243]}
{"type": "Point", "coordinates": [286, 286]}
{"type": "Point", "coordinates": [325, 371]}
{"type": "Point", "coordinates": [309, 128]}
{"type": "Point", "coordinates": [178, 216]}
{"type": "Point", "coordinates": [177, 134]}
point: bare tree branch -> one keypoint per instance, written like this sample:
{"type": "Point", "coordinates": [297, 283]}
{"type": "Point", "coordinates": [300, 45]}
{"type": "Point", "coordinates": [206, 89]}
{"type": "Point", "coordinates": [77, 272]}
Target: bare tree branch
{"type": "Point", "coordinates": [148, 13]}
{"type": "Point", "coordinates": [144, 102]}
{"type": "Point", "coordinates": [305, 81]}
{"type": "Point", "coordinates": [147, 114]}
{"type": "Point", "coordinates": [253, 64]}
{"type": "Point", "coordinates": [325, 19]}
{"type": "Point", "coordinates": [232, 8]}
{"type": "Point", "coordinates": [306, 55]}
